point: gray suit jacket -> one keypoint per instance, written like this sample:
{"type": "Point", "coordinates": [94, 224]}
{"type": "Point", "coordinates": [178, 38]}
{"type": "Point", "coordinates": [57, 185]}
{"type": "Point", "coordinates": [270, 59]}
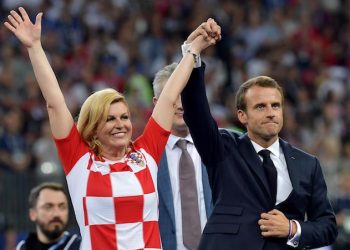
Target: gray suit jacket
{"type": "Point", "coordinates": [166, 204]}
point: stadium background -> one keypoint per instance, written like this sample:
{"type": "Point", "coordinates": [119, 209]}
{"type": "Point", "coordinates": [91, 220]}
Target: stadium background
{"type": "Point", "coordinates": [92, 44]}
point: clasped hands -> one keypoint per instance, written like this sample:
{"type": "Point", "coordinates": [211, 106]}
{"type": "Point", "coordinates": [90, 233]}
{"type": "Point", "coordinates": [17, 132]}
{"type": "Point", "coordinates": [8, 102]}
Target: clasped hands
{"type": "Point", "coordinates": [207, 34]}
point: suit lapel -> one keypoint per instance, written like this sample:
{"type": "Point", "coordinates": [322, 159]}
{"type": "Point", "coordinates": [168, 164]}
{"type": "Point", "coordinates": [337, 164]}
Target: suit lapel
{"type": "Point", "coordinates": [207, 191]}
{"type": "Point", "coordinates": [253, 161]}
{"type": "Point", "coordinates": [291, 162]}
{"type": "Point", "coordinates": [164, 187]}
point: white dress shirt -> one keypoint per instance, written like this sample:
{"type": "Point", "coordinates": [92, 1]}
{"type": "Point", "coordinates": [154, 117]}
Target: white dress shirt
{"type": "Point", "coordinates": [173, 156]}
{"type": "Point", "coordinates": [284, 185]}
{"type": "Point", "coordinates": [185, 48]}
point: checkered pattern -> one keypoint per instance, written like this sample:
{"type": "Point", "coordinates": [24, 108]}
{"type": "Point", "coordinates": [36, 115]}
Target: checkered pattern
{"type": "Point", "coordinates": [116, 205]}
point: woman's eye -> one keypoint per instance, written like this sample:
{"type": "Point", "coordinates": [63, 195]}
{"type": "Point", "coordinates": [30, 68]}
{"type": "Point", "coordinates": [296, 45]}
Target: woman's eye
{"type": "Point", "coordinates": [110, 118]}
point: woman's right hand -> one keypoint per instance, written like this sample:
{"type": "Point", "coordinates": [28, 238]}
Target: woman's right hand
{"type": "Point", "coordinates": [20, 25]}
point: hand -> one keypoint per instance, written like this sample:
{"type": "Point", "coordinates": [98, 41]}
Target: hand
{"type": "Point", "coordinates": [20, 25]}
{"type": "Point", "coordinates": [208, 29]}
{"type": "Point", "coordinates": [205, 38]}
{"type": "Point", "coordinates": [274, 224]}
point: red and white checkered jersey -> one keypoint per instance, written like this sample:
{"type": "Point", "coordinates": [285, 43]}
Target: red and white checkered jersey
{"type": "Point", "coordinates": [116, 204]}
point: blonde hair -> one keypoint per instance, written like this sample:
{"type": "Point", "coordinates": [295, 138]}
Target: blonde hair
{"type": "Point", "coordinates": [94, 111]}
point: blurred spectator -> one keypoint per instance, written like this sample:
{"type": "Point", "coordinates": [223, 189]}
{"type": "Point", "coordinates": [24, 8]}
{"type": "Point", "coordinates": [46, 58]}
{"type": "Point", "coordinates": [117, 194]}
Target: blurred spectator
{"type": "Point", "coordinates": [48, 165]}
{"type": "Point", "coordinates": [342, 210]}
{"type": "Point", "coordinates": [7, 235]}
{"type": "Point", "coordinates": [48, 209]}
{"type": "Point", "coordinates": [14, 151]}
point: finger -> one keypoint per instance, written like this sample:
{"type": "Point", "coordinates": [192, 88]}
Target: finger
{"type": "Point", "coordinates": [266, 233]}
{"type": "Point", "coordinates": [10, 27]}
{"type": "Point", "coordinates": [212, 41]}
{"type": "Point", "coordinates": [275, 212]}
{"type": "Point", "coordinates": [217, 38]}
{"type": "Point", "coordinates": [38, 19]}
{"type": "Point", "coordinates": [202, 26]}
{"type": "Point", "coordinates": [264, 228]}
{"type": "Point", "coordinates": [216, 29]}
{"type": "Point", "coordinates": [211, 20]}
{"type": "Point", "coordinates": [16, 16]}
{"type": "Point", "coordinates": [12, 21]}
{"type": "Point", "coordinates": [203, 33]}
{"type": "Point", "coordinates": [23, 13]}
{"type": "Point", "coordinates": [264, 215]}
{"type": "Point", "coordinates": [206, 27]}
{"type": "Point", "coordinates": [261, 222]}
{"type": "Point", "coordinates": [212, 24]}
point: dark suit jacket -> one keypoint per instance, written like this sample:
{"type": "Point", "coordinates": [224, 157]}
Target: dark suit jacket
{"type": "Point", "coordinates": [240, 189]}
{"type": "Point", "coordinates": [166, 203]}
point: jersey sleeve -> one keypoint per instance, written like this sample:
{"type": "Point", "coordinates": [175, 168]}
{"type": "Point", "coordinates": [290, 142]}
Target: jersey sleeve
{"type": "Point", "coordinates": [153, 139]}
{"type": "Point", "coordinates": [71, 149]}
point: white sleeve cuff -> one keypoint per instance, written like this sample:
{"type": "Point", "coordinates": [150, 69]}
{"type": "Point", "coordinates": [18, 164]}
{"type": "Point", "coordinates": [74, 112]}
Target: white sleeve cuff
{"type": "Point", "coordinates": [294, 242]}
{"type": "Point", "coordinates": [184, 48]}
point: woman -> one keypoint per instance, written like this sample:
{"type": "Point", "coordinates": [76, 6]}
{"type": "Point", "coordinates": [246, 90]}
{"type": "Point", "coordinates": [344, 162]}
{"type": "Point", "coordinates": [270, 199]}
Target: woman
{"type": "Point", "coordinates": [111, 180]}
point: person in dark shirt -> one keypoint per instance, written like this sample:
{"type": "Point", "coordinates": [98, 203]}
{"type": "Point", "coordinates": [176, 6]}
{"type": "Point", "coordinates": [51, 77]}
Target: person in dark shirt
{"type": "Point", "coordinates": [48, 208]}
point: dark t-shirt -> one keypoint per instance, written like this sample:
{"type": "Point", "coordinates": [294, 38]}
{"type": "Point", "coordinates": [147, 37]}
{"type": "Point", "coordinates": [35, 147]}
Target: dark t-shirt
{"type": "Point", "coordinates": [33, 243]}
{"type": "Point", "coordinates": [36, 244]}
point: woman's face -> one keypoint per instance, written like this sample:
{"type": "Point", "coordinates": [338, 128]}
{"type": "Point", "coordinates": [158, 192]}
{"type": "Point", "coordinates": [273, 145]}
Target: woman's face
{"type": "Point", "coordinates": [115, 132]}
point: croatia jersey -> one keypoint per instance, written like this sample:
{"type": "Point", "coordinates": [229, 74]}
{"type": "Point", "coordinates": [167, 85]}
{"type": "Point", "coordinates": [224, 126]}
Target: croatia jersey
{"type": "Point", "coordinates": [115, 203]}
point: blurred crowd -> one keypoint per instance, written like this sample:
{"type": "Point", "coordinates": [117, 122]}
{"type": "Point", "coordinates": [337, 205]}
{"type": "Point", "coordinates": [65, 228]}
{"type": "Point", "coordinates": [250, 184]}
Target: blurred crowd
{"type": "Point", "coordinates": [92, 44]}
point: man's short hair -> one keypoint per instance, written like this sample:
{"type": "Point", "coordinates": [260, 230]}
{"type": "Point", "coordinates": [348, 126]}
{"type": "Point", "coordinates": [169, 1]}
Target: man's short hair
{"type": "Point", "coordinates": [161, 77]}
{"type": "Point", "coordinates": [261, 81]}
{"type": "Point", "coordinates": [35, 192]}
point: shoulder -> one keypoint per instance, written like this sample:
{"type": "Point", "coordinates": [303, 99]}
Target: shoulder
{"type": "Point", "coordinates": [75, 237]}
{"type": "Point", "coordinates": [73, 242]}
{"type": "Point", "coordinates": [21, 245]}
{"type": "Point", "coordinates": [297, 153]}
{"type": "Point", "coordinates": [28, 243]}
{"type": "Point", "coordinates": [230, 133]}
{"type": "Point", "coordinates": [289, 147]}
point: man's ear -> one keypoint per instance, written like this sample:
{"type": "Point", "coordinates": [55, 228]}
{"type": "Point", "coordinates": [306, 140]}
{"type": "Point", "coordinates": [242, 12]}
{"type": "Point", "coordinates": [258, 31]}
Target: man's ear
{"type": "Point", "coordinates": [154, 100]}
{"type": "Point", "coordinates": [32, 214]}
{"type": "Point", "coordinates": [242, 116]}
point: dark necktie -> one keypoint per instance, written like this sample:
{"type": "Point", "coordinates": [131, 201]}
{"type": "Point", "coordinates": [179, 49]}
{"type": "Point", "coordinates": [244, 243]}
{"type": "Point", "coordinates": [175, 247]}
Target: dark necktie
{"type": "Point", "coordinates": [191, 226]}
{"type": "Point", "coordinates": [270, 172]}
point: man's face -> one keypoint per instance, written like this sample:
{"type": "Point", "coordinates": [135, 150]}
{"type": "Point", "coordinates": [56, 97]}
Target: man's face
{"type": "Point", "coordinates": [264, 115]}
{"type": "Point", "coordinates": [50, 213]}
{"type": "Point", "coordinates": [179, 125]}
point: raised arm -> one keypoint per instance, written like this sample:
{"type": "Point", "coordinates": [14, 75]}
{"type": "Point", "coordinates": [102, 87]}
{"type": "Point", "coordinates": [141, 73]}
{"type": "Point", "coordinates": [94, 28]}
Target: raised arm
{"type": "Point", "coordinates": [203, 128]}
{"type": "Point", "coordinates": [29, 34]}
{"type": "Point", "coordinates": [163, 111]}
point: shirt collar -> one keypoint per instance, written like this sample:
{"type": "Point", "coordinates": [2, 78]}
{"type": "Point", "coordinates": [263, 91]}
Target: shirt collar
{"type": "Point", "coordinates": [274, 148]}
{"type": "Point", "coordinates": [173, 140]}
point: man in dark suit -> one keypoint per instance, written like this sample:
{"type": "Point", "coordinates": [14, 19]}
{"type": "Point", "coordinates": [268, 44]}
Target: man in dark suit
{"type": "Point", "coordinates": [282, 207]}
{"type": "Point", "coordinates": [170, 212]}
